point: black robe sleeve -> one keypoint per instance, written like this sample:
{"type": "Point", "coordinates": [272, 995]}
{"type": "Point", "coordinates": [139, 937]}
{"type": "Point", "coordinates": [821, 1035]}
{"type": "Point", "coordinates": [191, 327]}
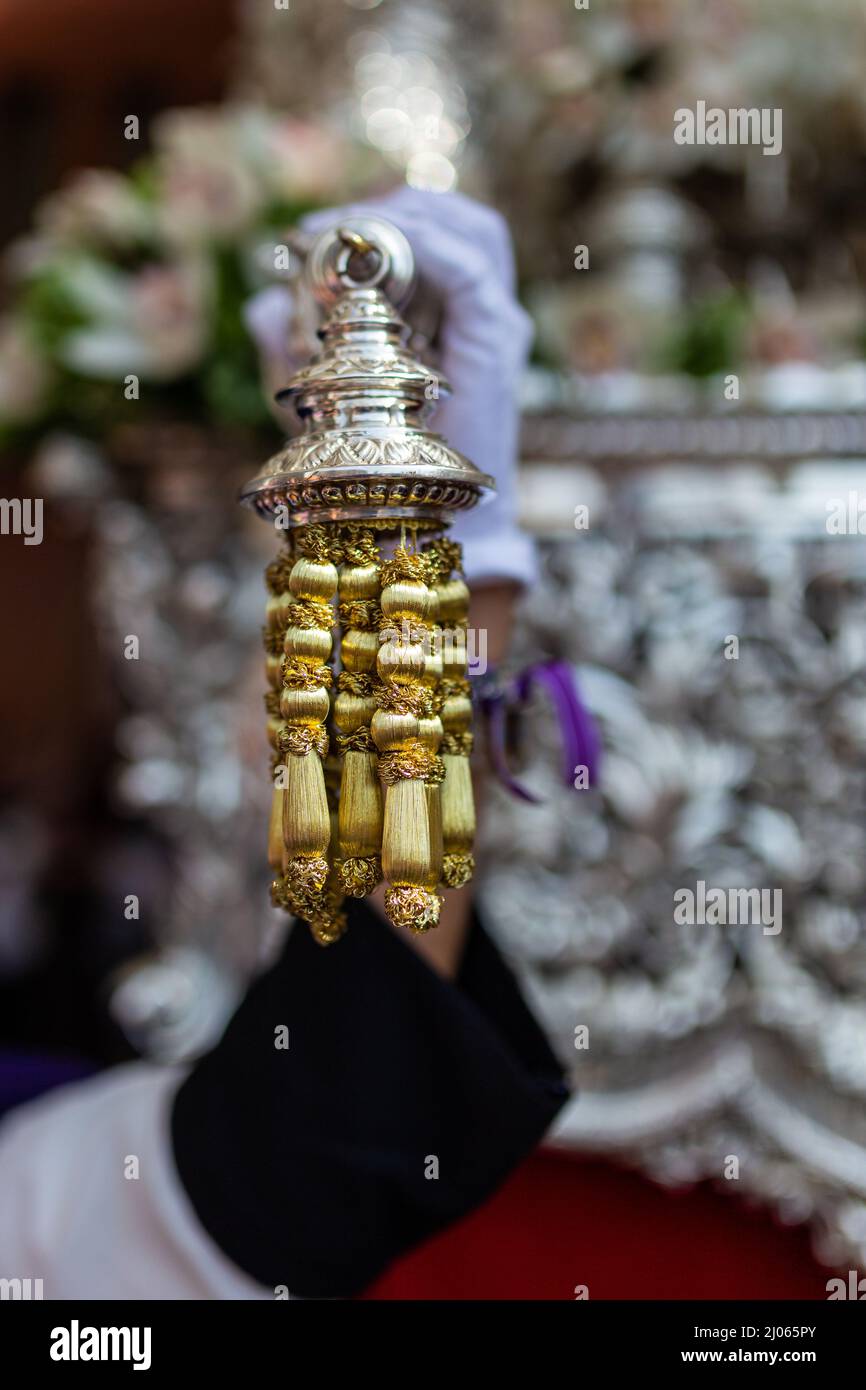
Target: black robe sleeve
{"type": "Point", "coordinates": [400, 1104]}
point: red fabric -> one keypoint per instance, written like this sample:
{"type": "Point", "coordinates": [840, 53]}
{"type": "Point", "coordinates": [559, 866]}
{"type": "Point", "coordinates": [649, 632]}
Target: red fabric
{"type": "Point", "coordinates": [562, 1221]}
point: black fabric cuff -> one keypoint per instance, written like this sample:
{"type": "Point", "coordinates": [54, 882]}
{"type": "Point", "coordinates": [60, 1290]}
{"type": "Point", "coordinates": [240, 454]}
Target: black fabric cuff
{"type": "Point", "coordinates": [401, 1103]}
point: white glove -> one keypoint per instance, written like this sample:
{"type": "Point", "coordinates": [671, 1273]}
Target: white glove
{"type": "Point", "coordinates": [463, 250]}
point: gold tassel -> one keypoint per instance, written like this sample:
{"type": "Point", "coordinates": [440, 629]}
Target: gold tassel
{"type": "Point", "coordinates": [458, 802]}
{"type": "Point", "coordinates": [458, 821]}
{"type": "Point", "coordinates": [304, 705]}
{"type": "Point", "coordinates": [277, 584]}
{"type": "Point", "coordinates": [327, 915]}
{"type": "Point", "coordinates": [430, 734]}
{"type": "Point", "coordinates": [405, 764]}
{"type": "Point", "coordinates": [276, 849]}
{"type": "Point", "coordinates": [361, 812]}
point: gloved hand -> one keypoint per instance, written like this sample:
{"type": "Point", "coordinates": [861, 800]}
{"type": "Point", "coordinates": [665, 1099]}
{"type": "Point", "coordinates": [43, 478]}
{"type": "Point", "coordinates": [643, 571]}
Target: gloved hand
{"type": "Point", "coordinates": [463, 251]}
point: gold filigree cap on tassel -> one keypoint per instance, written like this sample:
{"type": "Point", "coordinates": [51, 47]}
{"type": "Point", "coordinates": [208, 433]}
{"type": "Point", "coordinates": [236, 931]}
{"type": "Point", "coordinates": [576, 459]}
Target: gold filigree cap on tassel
{"type": "Point", "coordinates": [352, 492]}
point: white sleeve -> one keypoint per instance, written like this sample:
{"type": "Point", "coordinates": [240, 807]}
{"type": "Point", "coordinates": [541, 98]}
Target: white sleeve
{"type": "Point", "coordinates": [71, 1216]}
{"type": "Point", "coordinates": [501, 553]}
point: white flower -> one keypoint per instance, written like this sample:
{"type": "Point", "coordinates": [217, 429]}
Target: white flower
{"type": "Point", "coordinates": [153, 323]}
{"type": "Point", "coordinates": [99, 207]}
{"type": "Point", "coordinates": [206, 188]}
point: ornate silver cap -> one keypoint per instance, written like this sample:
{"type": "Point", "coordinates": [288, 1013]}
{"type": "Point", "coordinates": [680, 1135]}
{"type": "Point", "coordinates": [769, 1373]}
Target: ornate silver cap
{"type": "Point", "coordinates": [365, 451]}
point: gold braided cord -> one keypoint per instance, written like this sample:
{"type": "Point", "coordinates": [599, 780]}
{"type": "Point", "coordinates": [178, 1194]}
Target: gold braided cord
{"type": "Point", "coordinates": [321, 910]}
{"type": "Point", "coordinates": [304, 879]}
{"type": "Point", "coordinates": [359, 545]}
{"type": "Point", "coordinates": [412, 907]}
{"type": "Point", "coordinates": [306, 875]}
{"type": "Point", "coordinates": [355, 542]}
{"type": "Point", "coordinates": [277, 574]}
{"type": "Point", "coordinates": [359, 741]}
{"type": "Point", "coordinates": [309, 613]}
{"type": "Point", "coordinates": [297, 675]}
{"type": "Point", "coordinates": [436, 776]}
{"type": "Point", "coordinates": [273, 641]}
{"type": "Point", "coordinates": [404, 630]}
{"type": "Point", "coordinates": [327, 924]}
{"type": "Point", "coordinates": [460, 744]}
{"type": "Point", "coordinates": [416, 762]}
{"type": "Point", "coordinates": [405, 565]}
{"type": "Point", "coordinates": [437, 699]}
{"type": "Point", "coordinates": [301, 739]}
{"type": "Point", "coordinates": [272, 703]}
{"type": "Point", "coordinates": [356, 683]}
{"type": "Point", "coordinates": [451, 686]}
{"type": "Point", "coordinates": [316, 543]}
{"type": "Point", "coordinates": [360, 877]}
{"type": "Point", "coordinates": [325, 913]}
{"type": "Point", "coordinates": [363, 613]}
{"type": "Point", "coordinates": [457, 870]}
{"type": "Point", "coordinates": [405, 699]}
{"type": "Point", "coordinates": [444, 556]}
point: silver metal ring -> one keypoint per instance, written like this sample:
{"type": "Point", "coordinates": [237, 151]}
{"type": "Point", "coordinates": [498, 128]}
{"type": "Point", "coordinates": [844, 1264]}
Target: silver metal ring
{"type": "Point", "coordinates": [330, 254]}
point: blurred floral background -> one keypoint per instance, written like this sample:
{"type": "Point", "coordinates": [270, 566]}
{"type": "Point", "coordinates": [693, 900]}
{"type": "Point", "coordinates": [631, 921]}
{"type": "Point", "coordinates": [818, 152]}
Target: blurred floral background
{"type": "Point", "coordinates": [705, 258]}
{"type": "Point", "coordinates": [143, 243]}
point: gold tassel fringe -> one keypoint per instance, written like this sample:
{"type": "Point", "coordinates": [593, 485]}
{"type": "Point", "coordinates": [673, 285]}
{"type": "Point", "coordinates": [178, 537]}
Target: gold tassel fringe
{"type": "Point", "coordinates": [394, 799]}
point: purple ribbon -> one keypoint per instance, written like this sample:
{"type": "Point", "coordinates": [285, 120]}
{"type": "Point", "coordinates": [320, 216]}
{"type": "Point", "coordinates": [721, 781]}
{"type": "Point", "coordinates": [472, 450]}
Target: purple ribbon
{"type": "Point", "coordinates": [581, 744]}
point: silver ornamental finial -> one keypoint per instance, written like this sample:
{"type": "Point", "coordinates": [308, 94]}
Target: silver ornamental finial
{"type": "Point", "coordinates": [365, 451]}
{"type": "Point", "coordinates": [371, 753]}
